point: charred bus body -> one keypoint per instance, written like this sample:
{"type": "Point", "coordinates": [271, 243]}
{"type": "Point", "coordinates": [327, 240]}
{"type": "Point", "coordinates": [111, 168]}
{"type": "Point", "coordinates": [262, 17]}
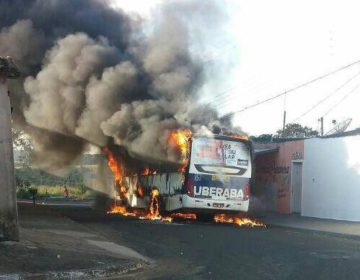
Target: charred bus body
{"type": "Point", "coordinates": [216, 179]}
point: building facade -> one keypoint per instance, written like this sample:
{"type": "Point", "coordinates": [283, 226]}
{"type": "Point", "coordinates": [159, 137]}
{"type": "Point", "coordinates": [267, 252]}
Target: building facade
{"type": "Point", "coordinates": [317, 177]}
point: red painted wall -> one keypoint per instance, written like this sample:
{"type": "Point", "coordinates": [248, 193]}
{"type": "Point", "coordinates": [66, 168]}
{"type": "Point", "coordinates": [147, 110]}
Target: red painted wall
{"type": "Point", "coordinates": [272, 177]}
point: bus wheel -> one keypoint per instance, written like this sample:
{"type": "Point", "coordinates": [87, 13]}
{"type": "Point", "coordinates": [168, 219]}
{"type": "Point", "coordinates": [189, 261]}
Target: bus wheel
{"type": "Point", "coordinates": [205, 217]}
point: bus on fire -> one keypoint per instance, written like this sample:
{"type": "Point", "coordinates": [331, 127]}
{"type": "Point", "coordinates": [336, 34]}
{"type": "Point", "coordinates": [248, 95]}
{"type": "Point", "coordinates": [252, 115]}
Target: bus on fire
{"type": "Point", "coordinates": [216, 179]}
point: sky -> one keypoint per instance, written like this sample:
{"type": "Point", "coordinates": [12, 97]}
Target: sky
{"type": "Point", "coordinates": [268, 47]}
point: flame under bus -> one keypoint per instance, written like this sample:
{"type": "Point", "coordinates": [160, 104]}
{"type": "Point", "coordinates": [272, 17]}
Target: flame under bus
{"type": "Point", "coordinates": [215, 180]}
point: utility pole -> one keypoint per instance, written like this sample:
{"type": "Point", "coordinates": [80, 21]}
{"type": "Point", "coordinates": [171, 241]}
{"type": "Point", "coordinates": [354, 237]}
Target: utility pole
{"type": "Point", "coordinates": [9, 229]}
{"type": "Point", "coordinates": [322, 126]}
{"type": "Point", "coordinates": [284, 117]}
{"type": "Point", "coordinates": [284, 121]}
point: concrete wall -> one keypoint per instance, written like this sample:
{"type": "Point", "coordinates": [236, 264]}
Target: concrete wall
{"type": "Point", "coordinates": [331, 178]}
{"type": "Point", "coordinates": [272, 178]}
{"type": "Point", "coordinates": [8, 210]}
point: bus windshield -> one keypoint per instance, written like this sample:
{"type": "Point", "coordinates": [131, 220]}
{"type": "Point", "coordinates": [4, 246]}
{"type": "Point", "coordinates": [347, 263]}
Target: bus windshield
{"type": "Point", "coordinates": [218, 156]}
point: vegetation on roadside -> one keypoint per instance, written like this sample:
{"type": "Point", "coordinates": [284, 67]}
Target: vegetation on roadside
{"type": "Point", "coordinates": [31, 181]}
{"type": "Point", "coordinates": [292, 130]}
{"type": "Point", "coordinates": [75, 192]}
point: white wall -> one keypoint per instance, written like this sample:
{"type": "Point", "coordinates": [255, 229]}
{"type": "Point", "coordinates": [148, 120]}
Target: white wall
{"type": "Point", "coordinates": [331, 178]}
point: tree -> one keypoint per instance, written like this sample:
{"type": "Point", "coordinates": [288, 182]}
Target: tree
{"type": "Point", "coordinates": [295, 130]}
{"type": "Point", "coordinates": [263, 138]}
{"type": "Point", "coordinates": [22, 144]}
{"type": "Point", "coordinates": [21, 182]}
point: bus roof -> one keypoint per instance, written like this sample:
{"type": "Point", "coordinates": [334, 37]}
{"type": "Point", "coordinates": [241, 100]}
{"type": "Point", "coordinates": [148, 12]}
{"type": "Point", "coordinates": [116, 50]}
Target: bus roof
{"type": "Point", "coordinates": [234, 137]}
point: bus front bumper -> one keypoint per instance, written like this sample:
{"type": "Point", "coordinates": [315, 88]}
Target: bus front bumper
{"type": "Point", "coordinates": [212, 205]}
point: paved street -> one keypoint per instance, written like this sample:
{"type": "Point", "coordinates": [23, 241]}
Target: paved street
{"type": "Point", "coordinates": [194, 250]}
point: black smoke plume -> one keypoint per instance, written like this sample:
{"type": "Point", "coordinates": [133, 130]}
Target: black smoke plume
{"type": "Point", "coordinates": [92, 74]}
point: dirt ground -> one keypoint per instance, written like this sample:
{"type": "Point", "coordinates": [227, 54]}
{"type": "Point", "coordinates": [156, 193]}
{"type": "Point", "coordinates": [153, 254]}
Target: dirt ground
{"type": "Point", "coordinates": [55, 247]}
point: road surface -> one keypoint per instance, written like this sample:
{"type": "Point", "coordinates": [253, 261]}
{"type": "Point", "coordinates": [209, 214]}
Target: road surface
{"type": "Point", "coordinates": [194, 250]}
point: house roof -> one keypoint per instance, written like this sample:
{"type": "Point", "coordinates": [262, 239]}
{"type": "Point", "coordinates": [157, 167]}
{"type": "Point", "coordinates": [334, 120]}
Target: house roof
{"type": "Point", "coordinates": [343, 134]}
{"type": "Point", "coordinates": [262, 151]}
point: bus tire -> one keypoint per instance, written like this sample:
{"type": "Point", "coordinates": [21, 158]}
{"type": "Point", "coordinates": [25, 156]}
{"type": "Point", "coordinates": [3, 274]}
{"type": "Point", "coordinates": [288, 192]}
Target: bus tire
{"type": "Point", "coordinates": [162, 209]}
{"type": "Point", "coordinates": [205, 217]}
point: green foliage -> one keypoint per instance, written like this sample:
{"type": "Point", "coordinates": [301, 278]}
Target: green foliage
{"type": "Point", "coordinates": [75, 192]}
{"type": "Point", "coordinates": [22, 144]}
{"type": "Point", "coordinates": [21, 183]}
{"type": "Point", "coordinates": [82, 189]}
{"type": "Point", "coordinates": [263, 138]}
{"type": "Point", "coordinates": [48, 185]}
{"type": "Point", "coordinates": [292, 130]}
{"type": "Point", "coordinates": [29, 176]}
{"type": "Point", "coordinates": [23, 193]}
{"type": "Point", "coordinates": [32, 191]}
{"type": "Point", "coordinates": [295, 130]}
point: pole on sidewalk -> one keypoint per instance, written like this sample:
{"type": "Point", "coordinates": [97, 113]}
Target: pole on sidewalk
{"type": "Point", "coordinates": [284, 122]}
{"type": "Point", "coordinates": [322, 126]}
{"type": "Point", "coordinates": [9, 229]}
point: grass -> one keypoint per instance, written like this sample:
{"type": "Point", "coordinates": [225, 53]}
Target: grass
{"type": "Point", "coordinates": [76, 192]}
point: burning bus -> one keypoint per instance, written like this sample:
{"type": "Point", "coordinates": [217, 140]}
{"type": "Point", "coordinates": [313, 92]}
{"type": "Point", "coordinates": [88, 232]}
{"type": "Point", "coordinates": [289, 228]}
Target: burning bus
{"type": "Point", "coordinates": [214, 178]}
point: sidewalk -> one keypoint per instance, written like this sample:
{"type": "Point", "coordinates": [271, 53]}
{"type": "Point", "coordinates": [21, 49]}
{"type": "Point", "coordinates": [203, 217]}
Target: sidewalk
{"type": "Point", "coordinates": [315, 224]}
{"type": "Point", "coordinates": [54, 247]}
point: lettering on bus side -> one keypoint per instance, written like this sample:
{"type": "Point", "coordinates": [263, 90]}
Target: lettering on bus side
{"type": "Point", "coordinates": [204, 191]}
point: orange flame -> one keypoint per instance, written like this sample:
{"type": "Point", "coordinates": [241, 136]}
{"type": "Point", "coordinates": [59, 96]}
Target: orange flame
{"type": "Point", "coordinates": [114, 166]}
{"type": "Point", "coordinates": [139, 190]}
{"type": "Point", "coordinates": [117, 209]}
{"type": "Point", "coordinates": [117, 170]}
{"type": "Point", "coordinates": [240, 221]}
{"type": "Point", "coordinates": [187, 216]}
{"type": "Point", "coordinates": [238, 136]}
{"type": "Point", "coordinates": [147, 171]}
{"type": "Point", "coordinates": [181, 140]}
{"type": "Point", "coordinates": [118, 182]}
{"type": "Point", "coordinates": [154, 210]}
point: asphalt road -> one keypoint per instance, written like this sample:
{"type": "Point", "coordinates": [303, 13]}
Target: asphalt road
{"type": "Point", "coordinates": [194, 250]}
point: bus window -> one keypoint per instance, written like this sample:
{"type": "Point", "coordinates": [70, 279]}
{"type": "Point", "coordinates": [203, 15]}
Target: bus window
{"type": "Point", "coordinates": [216, 156]}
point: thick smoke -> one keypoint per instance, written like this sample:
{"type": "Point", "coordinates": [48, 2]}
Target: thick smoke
{"type": "Point", "coordinates": [93, 75]}
{"type": "Point", "coordinates": [60, 91]}
{"type": "Point", "coordinates": [24, 43]}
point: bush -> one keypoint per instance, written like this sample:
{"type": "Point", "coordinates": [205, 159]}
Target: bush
{"type": "Point", "coordinates": [33, 191]}
{"type": "Point", "coordinates": [23, 193]}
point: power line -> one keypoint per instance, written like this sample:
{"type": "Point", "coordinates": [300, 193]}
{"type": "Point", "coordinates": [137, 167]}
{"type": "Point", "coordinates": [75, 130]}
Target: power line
{"type": "Point", "coordinates": [326, 97]}
{"type": "Point", "coordinates": [221, 95]}
{"type": "Point", "coordinates": [229, 92]}
{"type": "Point", "coordinates": [223, 100]}
{"type": "Point", "coordinates": [341, 100]}
{"type": "Point", "coordinates": [293, 89]}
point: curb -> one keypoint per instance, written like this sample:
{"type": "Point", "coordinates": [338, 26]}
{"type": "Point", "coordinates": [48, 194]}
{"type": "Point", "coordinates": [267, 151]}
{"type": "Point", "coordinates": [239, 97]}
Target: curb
{"type": "Point", "coordinates": [329, 233]}
{"type": "Point", "coordinates": [91, 273]}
